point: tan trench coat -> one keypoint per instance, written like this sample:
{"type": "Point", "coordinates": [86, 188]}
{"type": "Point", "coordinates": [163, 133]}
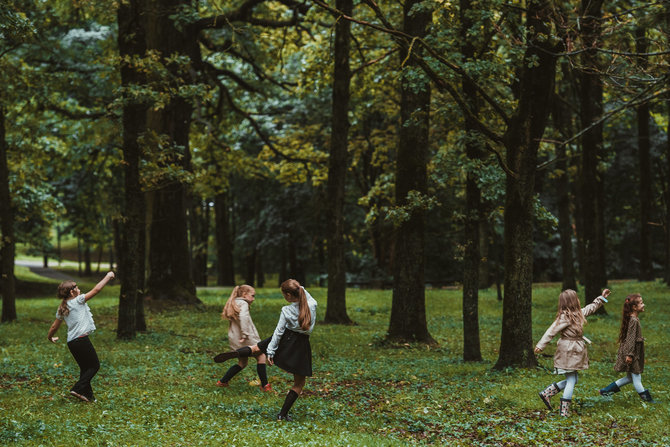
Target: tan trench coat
{"type": "Point", "coordinates": [571, 353]}
{"type": "Point", "coordinates": [633, 346]}
{"type": "Point", "coordinates": [243, 327]}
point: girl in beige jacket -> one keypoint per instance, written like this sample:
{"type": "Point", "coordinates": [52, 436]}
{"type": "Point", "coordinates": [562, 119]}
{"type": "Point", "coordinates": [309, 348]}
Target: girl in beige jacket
{"type": "Point", "coordinates": [571, 355]}
{"type": "Point", "coordinates": [242, 332]}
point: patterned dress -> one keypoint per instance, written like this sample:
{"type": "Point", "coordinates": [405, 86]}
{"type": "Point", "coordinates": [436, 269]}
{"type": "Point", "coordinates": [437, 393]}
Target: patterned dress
{"type": "Point", "coordinates": [632, 345]}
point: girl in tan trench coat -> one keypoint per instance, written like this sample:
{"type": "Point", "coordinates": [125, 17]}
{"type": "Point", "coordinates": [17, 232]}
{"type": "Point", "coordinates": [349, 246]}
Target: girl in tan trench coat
{"type": "Point", "coordinates": [242, 332]}
{"type": "Point", "coordinates": [571, 355]}
{"type": "Point", "coordinates": [630, 358]}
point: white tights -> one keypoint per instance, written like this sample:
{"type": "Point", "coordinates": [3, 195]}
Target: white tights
{"type": "Point", "coordinates": [635, 378]}
{"type": "Point", "coordinates": [568, 385]}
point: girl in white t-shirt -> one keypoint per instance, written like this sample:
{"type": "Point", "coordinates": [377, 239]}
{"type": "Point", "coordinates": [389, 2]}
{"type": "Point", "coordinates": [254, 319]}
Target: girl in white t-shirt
{"type": "Point", "coordinates": [77, 315]}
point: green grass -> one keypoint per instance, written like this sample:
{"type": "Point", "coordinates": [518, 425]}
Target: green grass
{"type": "Point", "coordinates": [159, 389]}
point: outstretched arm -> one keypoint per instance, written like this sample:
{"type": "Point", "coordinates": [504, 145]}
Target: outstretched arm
{"type": "Point", "coordinates": [52, 330]}
{"type": "Point", "coordinates": [99, 286]}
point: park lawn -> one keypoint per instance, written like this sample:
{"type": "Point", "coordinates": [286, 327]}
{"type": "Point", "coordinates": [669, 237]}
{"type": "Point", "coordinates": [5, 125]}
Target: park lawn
{"type": "Point", "coordinates": [159, 389]}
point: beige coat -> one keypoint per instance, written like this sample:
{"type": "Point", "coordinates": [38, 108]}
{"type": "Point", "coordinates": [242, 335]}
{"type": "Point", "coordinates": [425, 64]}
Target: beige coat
{"type": "Point", "coordinates": [242, 328]}
{"type": "Point", "coordinates": [633, 346]}
{"type": "Point", "coordinates": [571, 353]}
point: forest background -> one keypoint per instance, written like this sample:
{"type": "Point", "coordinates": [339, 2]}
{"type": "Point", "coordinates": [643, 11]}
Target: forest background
{"type": "Point", "coordinates": [399, 145]}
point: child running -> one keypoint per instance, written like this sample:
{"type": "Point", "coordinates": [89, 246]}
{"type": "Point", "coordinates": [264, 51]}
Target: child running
{"type": "Point", "coordinates": [242, 332]}
{"type": "Point", "coordinates": [289, 347]}
{"type": "Point", "coordinates": [630, 357]}
{"type": "Point", "coordinates": [77, 315]}
{"type": "Point", "coordinates": [571, 354]}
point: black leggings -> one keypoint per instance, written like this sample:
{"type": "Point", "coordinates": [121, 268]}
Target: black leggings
{"type": "Point", "coordinates": [84, 353]}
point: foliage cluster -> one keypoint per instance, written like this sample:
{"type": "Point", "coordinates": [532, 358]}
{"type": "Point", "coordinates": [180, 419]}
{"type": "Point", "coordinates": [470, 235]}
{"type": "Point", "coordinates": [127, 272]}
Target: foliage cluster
{"type": "Point", "coordinates": [159, 388]}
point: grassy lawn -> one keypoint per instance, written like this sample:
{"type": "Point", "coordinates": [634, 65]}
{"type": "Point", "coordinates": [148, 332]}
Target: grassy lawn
{"type": "Point", "coordinates": [158, 390]}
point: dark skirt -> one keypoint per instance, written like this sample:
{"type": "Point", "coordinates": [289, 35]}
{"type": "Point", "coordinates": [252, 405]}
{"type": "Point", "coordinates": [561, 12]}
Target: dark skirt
{"type": "Point", "coordinates": [294, 353]}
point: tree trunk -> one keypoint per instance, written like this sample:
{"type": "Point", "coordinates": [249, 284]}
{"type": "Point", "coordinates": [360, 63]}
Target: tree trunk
{"type": "Point", "coordinates": [8, 242]}
{"type": "Point", "coordinates": [484, 249]}
{"type": "Point", "coordinates": [591, 109]}
{"type": "Point", "coordinates": [562, 120]}
{"type": "Point", "coordinates": [169, 263]}
{"type": "Point", "coordinates": [565, 222]}
{"type": "Point", "coordinates": [199, 236]}
{"type": "Point", "coordinates": [522, 140]}
{"type": "Point", "coordinates": [88, 271]}
{"type": "Point", "coordinates": [336, 307]}
{"type": "Point", "coordinates": [224, 244]}
{"type": "Point", "coordinates": [408, 310]}
{"type": "Point", "coordinates": [131, 253]}
{"type": "Point", "coordinates": [250, 263]}
{"type": "Point", "coordinates": [473, 197]}
{"type": "Point", "coordinates": [666, 228]}
{"type": "Point", "coordinates": [646, 177]}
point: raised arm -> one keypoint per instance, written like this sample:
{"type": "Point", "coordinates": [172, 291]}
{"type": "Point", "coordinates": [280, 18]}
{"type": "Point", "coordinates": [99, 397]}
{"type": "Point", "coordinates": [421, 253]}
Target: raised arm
{"type": "Point", "coordinates": [99, 286]}
{"type": "Point", "coordinates": [596, 304]}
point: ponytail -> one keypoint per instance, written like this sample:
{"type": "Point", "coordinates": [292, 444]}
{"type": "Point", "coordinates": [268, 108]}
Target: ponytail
{"type": "Point", "coordinates": [294, 289]}
{"type": "Point", "coordinates": [231, 311]}
{"type": "Point", "coordinates": [64, 292]}
{"type": "Point", "coordinates": [305, 315]}
{"type": "Point", "coordinates": [631, 300]}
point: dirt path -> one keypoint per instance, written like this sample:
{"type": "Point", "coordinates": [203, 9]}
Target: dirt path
{"type": "Point", "coordinates": [38, 268]}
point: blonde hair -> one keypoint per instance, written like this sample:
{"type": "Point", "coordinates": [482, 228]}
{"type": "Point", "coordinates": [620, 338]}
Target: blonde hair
{"type": "Point", "coordinates": [231, 311]}
{"type": "Point", "coordinates": [65, 293]}
{"type": "Point", "coordinates": [292, 288]}
{"type": "Point", "coordinates": [569, 306]}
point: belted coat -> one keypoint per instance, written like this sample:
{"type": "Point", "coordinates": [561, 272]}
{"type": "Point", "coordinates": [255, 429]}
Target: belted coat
{"type": "Point", "coordinates": [571, 353]}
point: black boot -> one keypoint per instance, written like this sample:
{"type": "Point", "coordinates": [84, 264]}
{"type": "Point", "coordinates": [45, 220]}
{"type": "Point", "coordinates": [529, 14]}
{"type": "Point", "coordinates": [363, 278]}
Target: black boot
{"type": "Point", "coordinates": [242, 352]}
{"type": "Point", "coordinates": [646, 396]}
{"type": "Point", "coordinates": [610, 389]}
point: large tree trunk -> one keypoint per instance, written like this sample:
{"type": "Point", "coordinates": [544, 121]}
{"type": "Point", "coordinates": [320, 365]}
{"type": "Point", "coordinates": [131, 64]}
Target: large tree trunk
{"type": "Point", "coordinates": [591, 109]}
{"type": "Point", "coordinates": [224, 245]}
{"type": "Point", "coordinates": [646, 177]}
{"type": "Point", "coordinates": [408, 311]}
{"type": "Point", "coordinates": [169, 263]}
{"type": "Point", "coordinates": [473, 212]}
{"type": "Point", "coordinates": [336, 308]}
{"type": "Point", "coordinates": [131, 253]}
{"type": "Point", "coordinates": [7, 243]}
{"type": "Point", "coordinates": [522, 140]}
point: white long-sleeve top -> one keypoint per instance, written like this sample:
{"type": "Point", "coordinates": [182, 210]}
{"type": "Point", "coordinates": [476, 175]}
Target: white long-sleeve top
{"type": "Point", "coordinates": [288, 319]}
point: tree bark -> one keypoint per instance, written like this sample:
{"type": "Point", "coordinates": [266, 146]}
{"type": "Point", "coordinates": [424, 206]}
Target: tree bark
{"type": "Point", "coordinates": [646, 177]}
{"type": "Point", "coordinates": [199, 219]}
{"type": "Point", "coordinates": [591, 109]}
{"type": "Point", "coordinates": [408, 310]}
{"type": "Point", "coordinates": [8, 242]}
{"type": "Point", "coordinates": [131, 254]}
{"type": "Point", "coordinates": [563, 118]}
{"type": "Point", "coordinates": [169, 263]}
{"type": "Point", "coordinates": [224, 244]}
{"type": "Point", "coordinates": [522, 140]}
{"type": "Point", "coordinates": [473, 211]}
{"type": "Point", "coordinates": [336, 307]}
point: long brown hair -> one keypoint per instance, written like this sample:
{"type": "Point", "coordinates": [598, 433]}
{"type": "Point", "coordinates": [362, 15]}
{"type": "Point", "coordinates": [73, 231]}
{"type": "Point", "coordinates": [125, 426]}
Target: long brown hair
{"type": "Point", "coordinates": [231, 311]}
{"type": "Point", "coordinates": [628, 304]}
{"type": "Point", "coordinates": [292, 288]}
{"type": "Point", "coordinates": [65, 293]}
{"type": "Point", "coordinates": [568, 305]}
